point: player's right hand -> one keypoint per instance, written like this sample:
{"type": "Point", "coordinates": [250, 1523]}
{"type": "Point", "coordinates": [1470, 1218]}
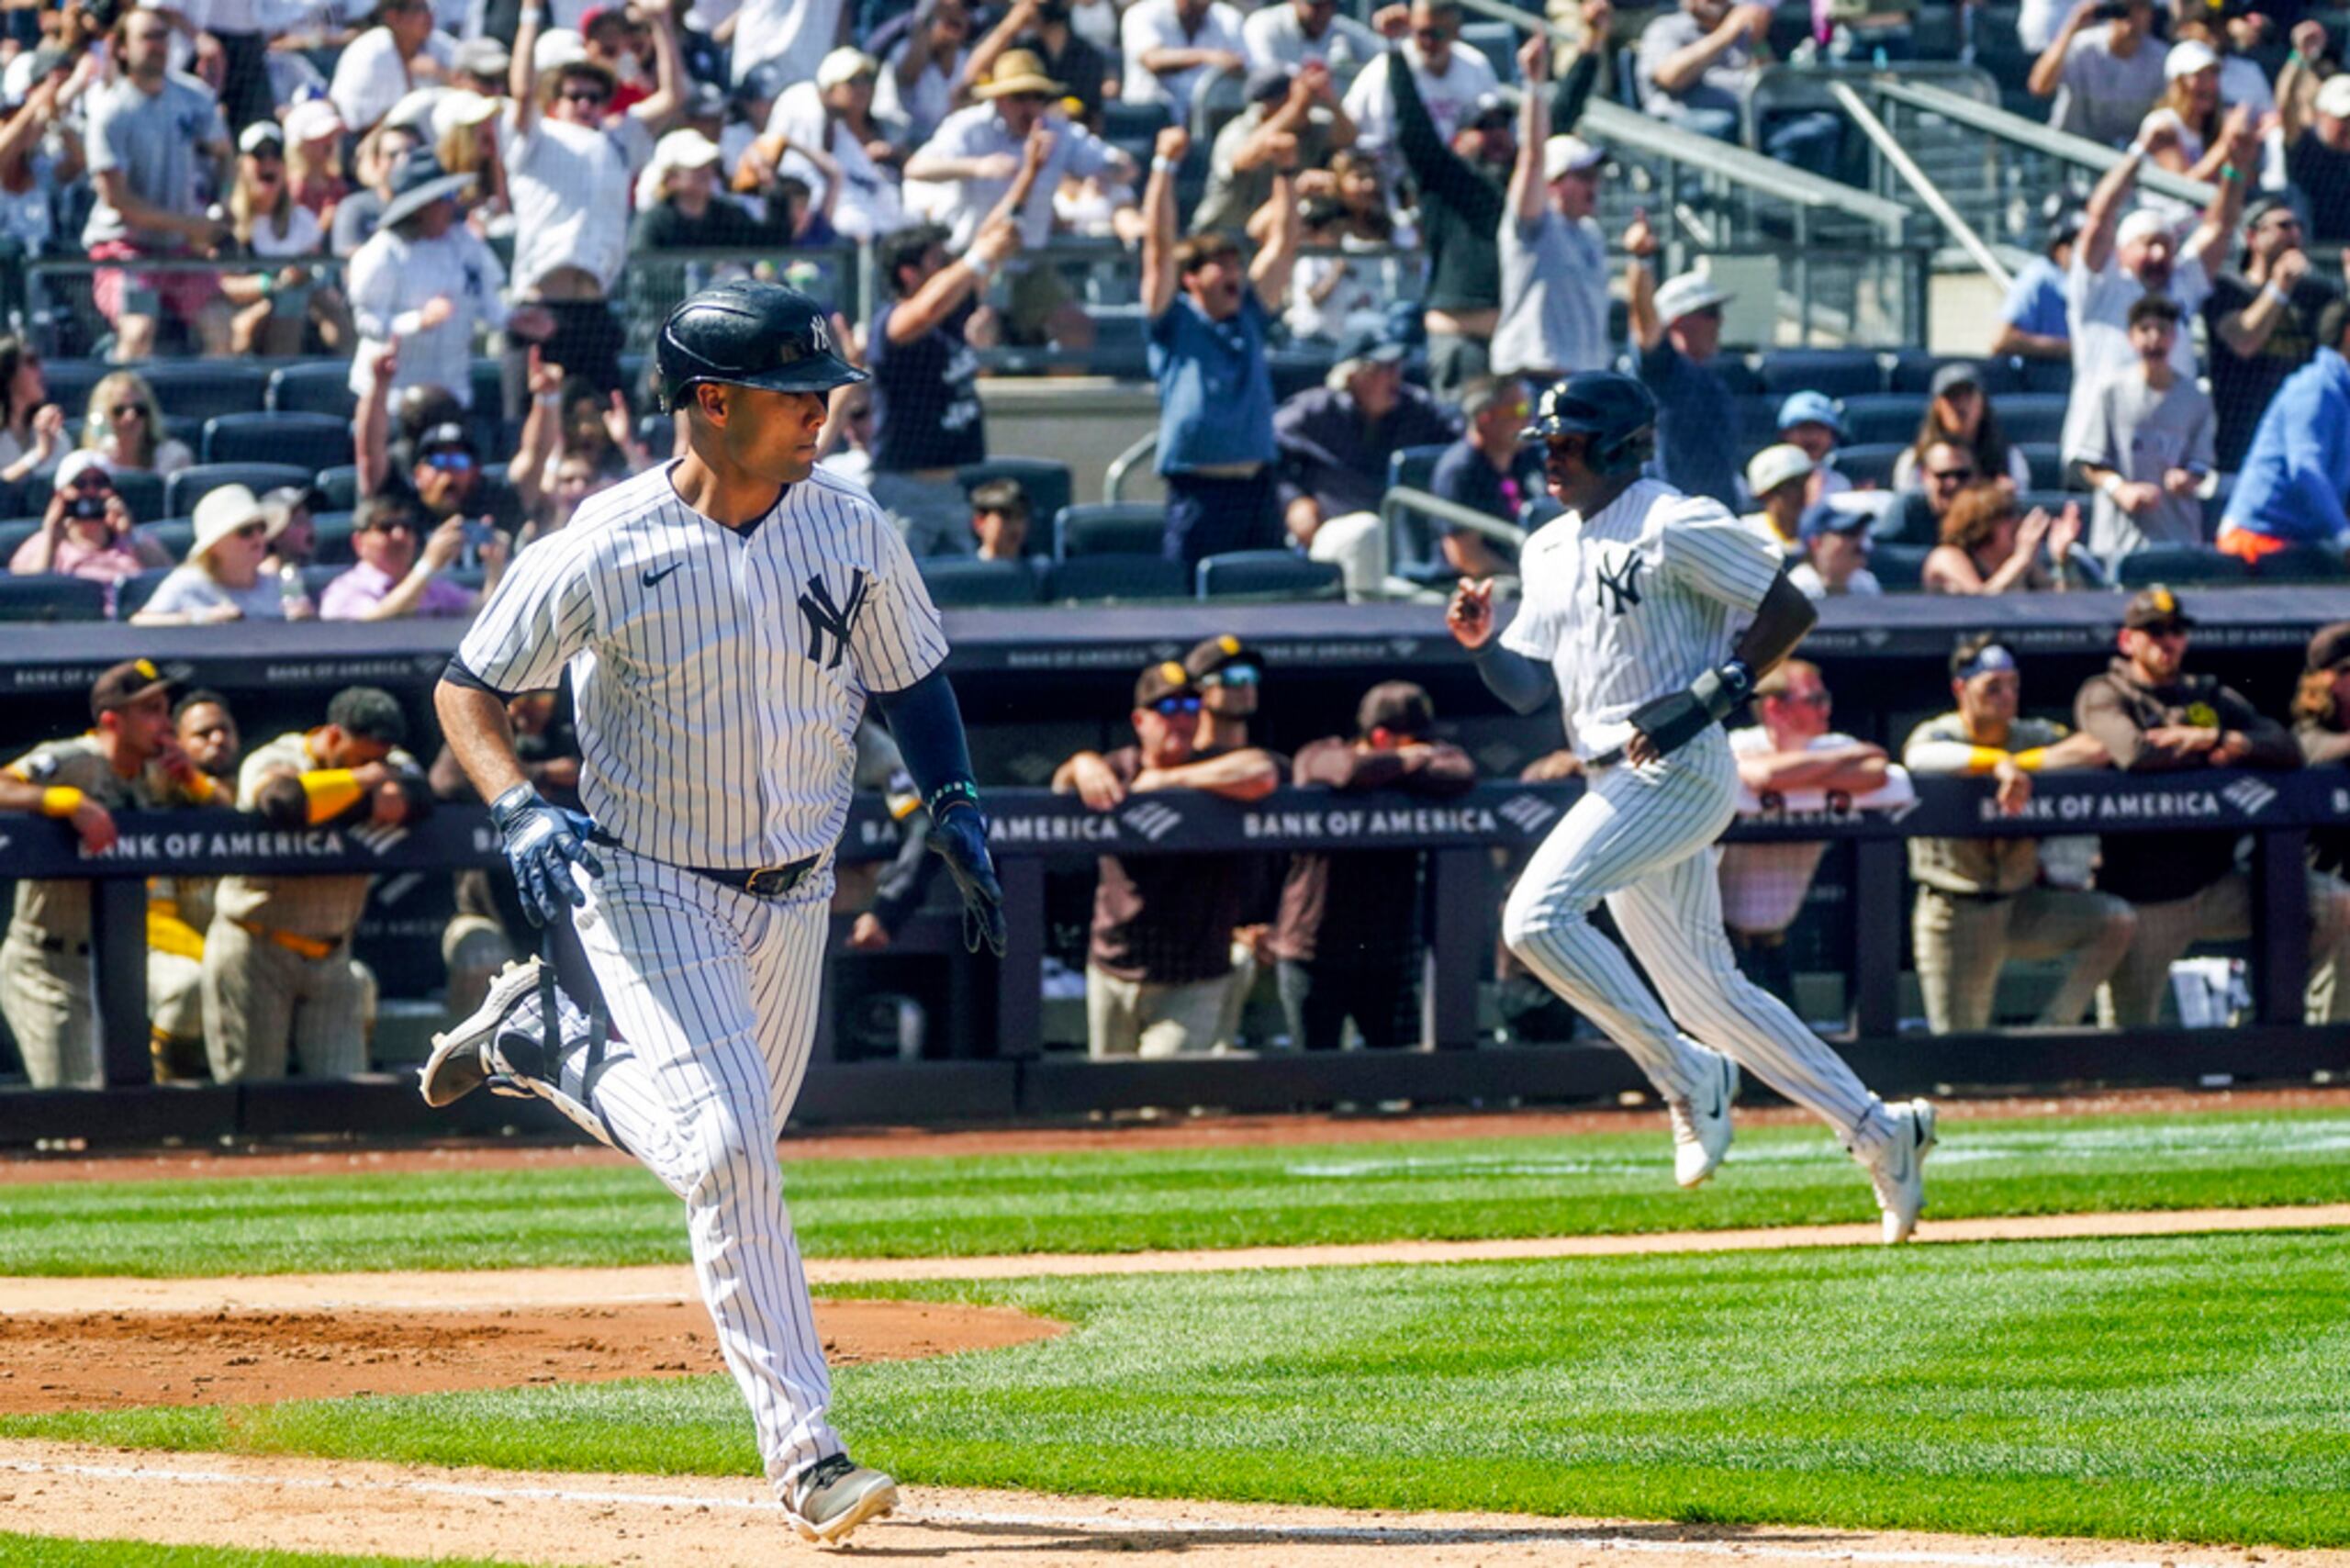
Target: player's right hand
{"type": "Point", "coordinates": [544, 842]}
{"type": "Point", "coordinates": [1469, 616]}
{"type": "Point", "coordinates": [959, 835]}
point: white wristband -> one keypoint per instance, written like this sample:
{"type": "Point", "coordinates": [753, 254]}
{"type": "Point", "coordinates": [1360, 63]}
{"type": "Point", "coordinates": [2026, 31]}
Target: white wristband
{"type": "Point", "coordinates": [982, 269]}
{"type": "Point", "coordinates": [547, 399]}
{"type": "Point", "coordinates": [1163, 165]}
{"type": "Point", "coordinates": [2111, 487]}
{"type": "Point", "coordinates": [2270, 291]}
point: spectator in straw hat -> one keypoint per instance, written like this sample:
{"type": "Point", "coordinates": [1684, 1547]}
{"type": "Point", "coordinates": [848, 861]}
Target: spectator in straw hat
{"type": "Point", "coordinates": [222, 579]}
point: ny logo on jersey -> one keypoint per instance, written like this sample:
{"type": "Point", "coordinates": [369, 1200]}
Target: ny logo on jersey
{"type": "Point", "coordinates": [1619, 589]}
{"type": "Point", "coordinates": [827, 619]}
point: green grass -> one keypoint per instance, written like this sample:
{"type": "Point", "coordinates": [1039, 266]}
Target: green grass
{"type": "Point", "coordinates": [1470, 1188]}
{"type": "Point", "coordinates": [50, 1551]}
{"type": "Point", "coordinates": [2181, 1388]}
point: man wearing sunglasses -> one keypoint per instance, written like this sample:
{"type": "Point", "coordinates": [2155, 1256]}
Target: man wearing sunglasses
{"type": "Point", "coordinates": [2153, 717]}
{"type": "Point", "coordinates": [447, 472]}
{"type": "Point", "coordinates": [1158, 962]}
{"type": "Point", "coordinates": [402, 560]}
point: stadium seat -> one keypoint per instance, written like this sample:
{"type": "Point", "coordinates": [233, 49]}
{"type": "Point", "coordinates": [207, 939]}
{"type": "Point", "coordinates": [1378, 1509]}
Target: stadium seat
{"type": "Point", "coordinates": [1276, 574]}
{"type": "Point", "coordinates": [185, 488]}
{"type": "Point", "coordinates": [1870, 465]}
{"type": "Point", "coordinates": [1134, 127]}
{"type": "Point", "coordinates": [2047, 376]}
{"type": "Point", "coordinates": [308, 441]}
{"type": "Point", "coordinates": [1884, 417]}
{"type": "Point", "coordinates": [1758, 421]}
{"type": "Point", "coordinates": [1897, 567]}
{"type": "Point", "coordinates": [489, 376]}
{"type": "Point", "coordinates": [1497, 42]}
{"type": "Point", "coordinates": [141, 490]}
{"type": "Point", "coordinates": [1046, 479]}
{"type": "Point", "coordinates": [1537, 511]}
{"type": "Point", "coordinates": [1109, 528]}
{"type": "Point", "coordinates": [2031, 416]}
{"type": "Point", "coordinates": [315, 579]}
{"type": "Point", "coordinates": [13, 535]}
{"type": "Point", "coordinates": [1295, 369]}
{"type": "Point", "coordinates": [962, 581]}
{"type": "Point", "coordinates": [2052, 502]}
{"type": "Point", "coordinates": [201, 389]}
{"type": "Point", "coordinates": [318, 388]}
{"type": "Point", "coordinates": [1839, 373]}
{"type": "Point", "coordinates": [340, 484]}
{"type": "Point", "coordinates": [71, 382]}
{"type": "Point", "coordinates": [332, 531]}
{"type": "Point", "coordinates": [132, 593]}
{"type": "Point", "coordinates": [1413, 467]}
{"type": "Point", "coordinates": [1116, 577]}
{"type": "Point", "coordinates": [2047, 460]}
{"type": "Point", "coordinates": [51, 599]}
{"type": "Point", "coordinates": [2178, 564]}
{"type": "Point", "coordinates": [2301, 563]}
{"type": "Point", "coordinates": [1913, 372]}
{"type": "Point", "coordinates": [1738, 373]}
{"type": "Point", "coordinates": [173, 533]}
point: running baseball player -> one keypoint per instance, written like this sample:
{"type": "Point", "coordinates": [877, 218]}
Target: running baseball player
{"type": "Point", "coordinates": [1631, 597]}
{"type": "Point", "coordinates": [724, 618]}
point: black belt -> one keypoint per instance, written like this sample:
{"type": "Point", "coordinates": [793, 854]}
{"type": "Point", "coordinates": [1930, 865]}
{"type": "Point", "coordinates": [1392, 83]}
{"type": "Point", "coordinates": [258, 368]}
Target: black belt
{"type": "Point", "coordinates": [59, 945]}
{"type": "Point", "coordinates": [1974, 898]}
{"type": "Point", "coordinates": [1762, 941]}
{"type": "Point", "coordinates": [765, 882]}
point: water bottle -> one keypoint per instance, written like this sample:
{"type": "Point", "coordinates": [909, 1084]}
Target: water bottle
{"type": "Point", "coordinates": [292, 598]}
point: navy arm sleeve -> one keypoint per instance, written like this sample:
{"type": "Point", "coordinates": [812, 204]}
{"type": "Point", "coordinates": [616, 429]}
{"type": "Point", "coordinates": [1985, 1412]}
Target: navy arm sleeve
{"type": "Point", "coordinates": [927, 724]}
{"type": "Point", "coordinates": [1515, 678]}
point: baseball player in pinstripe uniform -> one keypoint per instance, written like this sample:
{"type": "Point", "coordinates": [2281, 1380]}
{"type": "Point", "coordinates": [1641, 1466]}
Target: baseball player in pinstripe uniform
{"type": "Point", "coordinates": [1632, 599]}
{"type": "Point", "coordinates": [724, 619]}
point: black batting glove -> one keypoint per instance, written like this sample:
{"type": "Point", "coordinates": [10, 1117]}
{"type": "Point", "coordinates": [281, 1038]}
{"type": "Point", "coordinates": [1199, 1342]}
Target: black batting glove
{"type": "Point", "coordinates": [544, 842]}
{"type": "Point", "coordinates": [959, 835]}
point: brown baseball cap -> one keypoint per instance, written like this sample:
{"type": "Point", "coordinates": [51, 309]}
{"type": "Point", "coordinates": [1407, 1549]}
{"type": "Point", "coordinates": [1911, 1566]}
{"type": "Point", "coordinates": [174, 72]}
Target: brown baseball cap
{"type": "Point", "coordinates": [126, 683]}
{"type": "Point", "coordinates": [2155, 606]}
{"type": "Point", "coordinates": [2330, 649]}
{"type": "Point", "coordinates": [1166, 678]}
{"type": "Point", "coordinates": [1399, 707]}
{"type": "Point", "coordinates": [1213, 653]}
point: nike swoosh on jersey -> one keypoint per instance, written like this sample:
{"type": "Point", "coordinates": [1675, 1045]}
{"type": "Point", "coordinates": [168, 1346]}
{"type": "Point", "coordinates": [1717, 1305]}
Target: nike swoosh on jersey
{"type": "Point", "coordinates": [653, 578]}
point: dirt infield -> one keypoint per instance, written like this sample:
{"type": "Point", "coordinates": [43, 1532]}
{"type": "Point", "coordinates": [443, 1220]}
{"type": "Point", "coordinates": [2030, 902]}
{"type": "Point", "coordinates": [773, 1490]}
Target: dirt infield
{"type": "Point", "coordinates": [1202, 1131]}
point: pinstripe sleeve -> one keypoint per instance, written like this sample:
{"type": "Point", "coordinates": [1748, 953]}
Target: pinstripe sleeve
{"type": "Point", "coordinates": [900, 638]}
{"type": "Point", "coordinates": [1712, 553]}
{"type": "Point", "coordinates": [540, 616]}
{"type": "Point", "coordinates": [1535, 629]}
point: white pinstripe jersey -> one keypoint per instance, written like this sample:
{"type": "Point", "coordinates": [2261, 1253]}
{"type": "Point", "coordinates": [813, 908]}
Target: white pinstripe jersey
{"type": "Point", "coordinates": [1636, 601]}
{"type": "Point", "coordinates": [718, 675]}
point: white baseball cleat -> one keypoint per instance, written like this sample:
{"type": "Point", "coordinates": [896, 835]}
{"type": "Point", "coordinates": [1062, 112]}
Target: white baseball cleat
{"type": "Point", "coordinates": [462, 1060]}
{"type": "Point", "coordinates": [1701, 1130]}
{"type": "Point", "coordinates": [1897, 1169]}
{"type": "Point", "coordinates": [834, 1496]}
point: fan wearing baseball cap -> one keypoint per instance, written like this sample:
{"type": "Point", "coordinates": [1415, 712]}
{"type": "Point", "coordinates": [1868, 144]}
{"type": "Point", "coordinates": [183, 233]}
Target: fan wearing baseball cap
{"type": "Point", "coordinates": [2119, 258]}
{"type": "Point", "coordinates": [126, 761]}
{"type": "Point", "coordinates": [2317, 130]}
{"type": "Point", "coordinates": [1554, 257]}
{"type": "Point", "coordinates": [2262, 322]}
{"type": "Point", "coordinates": [1677, 331]}
{"type": "Point", "coordinates": [2152, 716]}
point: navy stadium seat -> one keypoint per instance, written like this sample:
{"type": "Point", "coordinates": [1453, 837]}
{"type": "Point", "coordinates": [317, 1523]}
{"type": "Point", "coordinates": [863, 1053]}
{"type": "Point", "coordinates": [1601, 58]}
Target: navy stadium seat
{"type": "Point", "coordinates": [189, 486]}
{"type": "Point", "coordinates": [2301, 563]}
{"type": "Point", "coordinates": [1274, 573]}
{"type": "Point", "coordinates": [306, 441]}
{"type": "Point", "coordinates": [1839, 373]}
{"type": "Point", "coordinates": [1413, 467]}
{"type": "Point", "coordinates": [1109, 528]}
{"type": "Point", "coordinates": [318, 388]}
{"type": "Point", "coordinates": [965, 581]}
{"type": "Point", "coordinates": [201, 389]}
{"type": "Point", "coordinates": [173, 533]}
{"type": "Point", "coordinates": [2178, 564]}
{"type": "Point", "coordinates": [71, 382]}
{"type": "Point", "coordinates": [13, 535]}
{"type": "Point", "coordinates": [132, 593]}
{"type": "Point", "coordinates": [332, 531]}
{"type": "Point", "coordinates": [1913, 370]}
{"type": "Point", "coordinates": [2047, 460]}
{"type": "Point", "coordinates": [1121, 575]}
{"type": "Point", "coordinates": [340, 484]}
{"type": "Point", "coordinates": [1870, 465]}
{"type": "Point", "coordinates": [1884, 417]}
{"type": "Point", "coordinates": [2031, 416]}
{"type": "Point", "coordinates": [1295, 369]}
{"type": "Point", "coordinates": [1898, 567]}
{"type": "Point", "coordinates": [51, 599]}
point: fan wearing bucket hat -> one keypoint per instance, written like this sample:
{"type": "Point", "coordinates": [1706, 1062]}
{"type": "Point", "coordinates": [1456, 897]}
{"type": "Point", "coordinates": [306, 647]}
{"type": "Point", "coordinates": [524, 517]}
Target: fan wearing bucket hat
{"type": "Point", "coordinates": [222, 578]}
{"type": "Point", "coordinates": [1042, 28]}
{"type": "Point", "coordinates": [1553, 255]}
{"type": "Point", "coordinates": [2261, 322]}
{"type": "Point", "coordinates": [426, 279]}
{"type": "Point", "coordinates": [2123, 254]}
{"type": "Point", "coordinates": [2154, 717]}
{"type": "Point", "coordinates": [127, 760]}
{"type": "Point", "coordinates": [1170, 46]}
{"type": "Point", "coordinates": [571, 164]}
{"type": "Point", "coordinates": [377, 69]}
{"type": "Point", "coordinates": [1677, 333]}
{"type": "Point", "coordinates": [2104, 74]}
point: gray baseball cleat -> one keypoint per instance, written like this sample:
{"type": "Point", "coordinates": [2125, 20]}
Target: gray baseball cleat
{"type": "Point", "coordinates": [834, 1496]}
{"type": "Point", "coordinates": [1701, 1130]}
{"type": "Point", "coordinates": [462, 1060]}
{"type": "Point", "coordinates": [1897, 1169]}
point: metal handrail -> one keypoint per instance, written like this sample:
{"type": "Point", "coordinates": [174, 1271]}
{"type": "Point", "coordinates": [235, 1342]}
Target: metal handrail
{"type": "Point", "coordinates": [1889, 146]}
{"type": "Point", "coordinates": [1114, 479]}
{"type": "Point", "coordinates": [2029, 134]}
{"type": "Point", "coordinates": [1404, 497]}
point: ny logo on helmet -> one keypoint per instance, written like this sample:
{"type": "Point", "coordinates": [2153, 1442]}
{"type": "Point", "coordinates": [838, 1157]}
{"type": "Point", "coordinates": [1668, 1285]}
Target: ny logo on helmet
{"type": "Point", "coordinates": [819, 336]}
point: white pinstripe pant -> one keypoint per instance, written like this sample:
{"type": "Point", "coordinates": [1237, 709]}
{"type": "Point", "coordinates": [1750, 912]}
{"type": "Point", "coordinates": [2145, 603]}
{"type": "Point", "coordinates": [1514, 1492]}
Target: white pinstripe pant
{"type": "Point", "coordinates": [1638, 838]}
{"type": "Point", "coordinates": [713, 999]}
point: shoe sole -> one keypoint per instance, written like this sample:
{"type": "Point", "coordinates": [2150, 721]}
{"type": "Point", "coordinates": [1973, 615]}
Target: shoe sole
{"type": "Point", "coordinates": [1729, 1097]}
{"type": "Point", "coordinates": [505, 987]}
{"type": "Point", "coordinates": [872, 1506]}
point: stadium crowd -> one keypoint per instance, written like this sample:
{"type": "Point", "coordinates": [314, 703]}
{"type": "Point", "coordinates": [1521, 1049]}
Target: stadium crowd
{"type": "Point", "coordinates": [441, 208]}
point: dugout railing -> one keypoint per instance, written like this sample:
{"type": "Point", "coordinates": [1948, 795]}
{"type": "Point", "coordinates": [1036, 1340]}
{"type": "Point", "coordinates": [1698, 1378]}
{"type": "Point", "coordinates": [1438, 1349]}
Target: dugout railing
{"type": "Point", "coordinates": [1466, 841]}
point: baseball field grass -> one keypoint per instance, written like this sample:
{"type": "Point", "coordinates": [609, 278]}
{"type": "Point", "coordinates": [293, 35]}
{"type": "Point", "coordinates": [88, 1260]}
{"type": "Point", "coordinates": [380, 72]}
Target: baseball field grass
{"type": "Point", "coordinates": [51, 1551]}
{"type": "Point", "coordinates": [2181, 1388]}
{"type": "Point", "coordinates": [1220, 1197]}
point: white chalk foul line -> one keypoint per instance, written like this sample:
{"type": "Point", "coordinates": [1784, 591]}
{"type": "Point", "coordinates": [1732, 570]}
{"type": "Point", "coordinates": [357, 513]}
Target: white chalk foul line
{"type": "Point", "coordinates": [1499, 1533]}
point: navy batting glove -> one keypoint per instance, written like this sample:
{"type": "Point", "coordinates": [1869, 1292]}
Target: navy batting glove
{"type": "Point", "coordinates": [544, 841]}
{"type": "Point", "coordinates": [959, 834]}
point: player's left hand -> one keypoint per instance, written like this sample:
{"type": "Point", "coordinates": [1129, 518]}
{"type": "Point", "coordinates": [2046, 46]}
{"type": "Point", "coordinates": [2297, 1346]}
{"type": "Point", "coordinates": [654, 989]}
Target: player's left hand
{"type": "Point", "coordinates": [544, 842]}
{"type": "Point", "coordinates": [961, 837]}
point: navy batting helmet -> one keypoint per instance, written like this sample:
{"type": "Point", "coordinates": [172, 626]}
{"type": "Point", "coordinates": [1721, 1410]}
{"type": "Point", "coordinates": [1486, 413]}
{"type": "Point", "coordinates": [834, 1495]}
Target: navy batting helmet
{"type": "Point", "coordinates": [1615, 411]}
{"type": "Point", "coordinates": [747, 333]}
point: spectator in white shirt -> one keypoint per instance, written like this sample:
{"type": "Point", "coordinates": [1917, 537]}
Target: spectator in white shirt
{"type": "Point", "coordinates": [1288, 35]}
{"type": "Point", "coordinates": [382, 65]}
{"type": "Point", "coordinates": [917, 88]}
{"type": "Point", "coordinates": [831, 115]}
{"type": "Point", "coordinates": [235, 33]}
{"type": "Point", "coordinates": [1172, 46]}
{"type": "Point", "coordinates": [794, 34]}
{"type": "Point", "coordinates": [977, 151]}
{"type": "Point", "coordinates": [568, 174]}
{"type": "Point", "coordinates": [276, 305]}
{"type": "Point", "coordinates": [2104, 77]}
{"type": "Point", "coordinates": [2118, 259]}
{"type": "Point", "coordinates": [1451, 79]}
